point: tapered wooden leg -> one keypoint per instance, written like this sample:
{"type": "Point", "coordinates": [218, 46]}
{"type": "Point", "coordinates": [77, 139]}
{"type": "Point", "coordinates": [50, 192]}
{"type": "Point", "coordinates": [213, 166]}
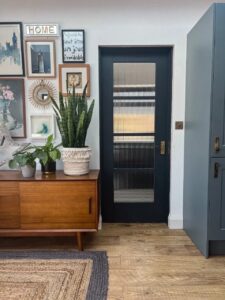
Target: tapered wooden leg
{"type": "Point", "coordinates": [79, 241]}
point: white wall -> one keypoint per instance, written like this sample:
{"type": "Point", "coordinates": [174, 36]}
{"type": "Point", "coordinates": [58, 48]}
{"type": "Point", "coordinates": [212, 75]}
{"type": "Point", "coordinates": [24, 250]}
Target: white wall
{"type": "Point", "coordinates": [123, 22]}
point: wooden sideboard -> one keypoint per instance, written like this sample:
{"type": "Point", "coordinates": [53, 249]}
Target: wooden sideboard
{"type": "Point", "coordinates": [53, 204]}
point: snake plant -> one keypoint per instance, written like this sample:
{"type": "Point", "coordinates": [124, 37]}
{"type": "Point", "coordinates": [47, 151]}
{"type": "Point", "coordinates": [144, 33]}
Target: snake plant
{"type": "Point", "coordinates": [73, 116]}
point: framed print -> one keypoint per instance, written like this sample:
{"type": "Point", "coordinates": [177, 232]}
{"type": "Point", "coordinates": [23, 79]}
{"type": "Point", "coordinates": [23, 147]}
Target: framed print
{"type": "Point", "coordinates": [73, 46]}
{"type": "Point", "coordinates": [11, 49]}
{"type": "Point", "coordinates": [74, 75]}
{"type": "Point", "coordinates": [40, 57]}
{"type": "Point", "coordinates": [41, 126]}
{"type": "Point", "coordinates": [12, 106]}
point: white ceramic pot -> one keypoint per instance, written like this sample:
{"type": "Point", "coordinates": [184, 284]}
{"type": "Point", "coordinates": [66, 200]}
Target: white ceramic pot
{"type": "Point", "coordinates": [76, 160]}
{"type": "Point", "coordinates": [28, 171]}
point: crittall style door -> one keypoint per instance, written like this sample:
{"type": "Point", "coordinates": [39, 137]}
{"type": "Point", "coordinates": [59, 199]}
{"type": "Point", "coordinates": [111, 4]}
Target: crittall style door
{"type": "Point", "coordinates": [135, 112]}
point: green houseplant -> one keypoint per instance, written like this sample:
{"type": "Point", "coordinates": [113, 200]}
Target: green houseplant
{"type": "Point", "coordinates": [25, 160]}
{"type": "Point", "coordinates": [73, 116]}
{"type": "Point", "coordinates": [47, 155]}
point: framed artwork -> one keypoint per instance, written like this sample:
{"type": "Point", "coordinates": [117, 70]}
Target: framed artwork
{"type": "Point", "coordinates": [40, 57]}
{"type": "Point", "coordinates": [41, 126]}
{"type": "Point", "coordinates": [11, 49]}
{"type": "Point", "coordinates": [12, 106]}
{"type": "Point", "coordinates": [74, 76]}
{"type": "Point", "coordinates": [73, 46]}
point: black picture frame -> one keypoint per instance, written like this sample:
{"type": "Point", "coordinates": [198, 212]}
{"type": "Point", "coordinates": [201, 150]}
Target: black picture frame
{"type": "Point", "coordinates": [71, 39]}
{"type": "Point", "coordinates": [11, 52]}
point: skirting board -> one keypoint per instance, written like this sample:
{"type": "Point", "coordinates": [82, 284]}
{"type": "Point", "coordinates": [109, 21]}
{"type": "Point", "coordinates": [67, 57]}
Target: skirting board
{"type": "Point", "coordinates": [175, 222]}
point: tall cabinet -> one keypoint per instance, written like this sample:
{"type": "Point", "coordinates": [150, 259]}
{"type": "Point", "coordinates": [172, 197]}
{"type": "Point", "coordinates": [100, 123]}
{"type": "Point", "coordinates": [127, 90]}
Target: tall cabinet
{"type": "Point", "coordinates": [204, 162]}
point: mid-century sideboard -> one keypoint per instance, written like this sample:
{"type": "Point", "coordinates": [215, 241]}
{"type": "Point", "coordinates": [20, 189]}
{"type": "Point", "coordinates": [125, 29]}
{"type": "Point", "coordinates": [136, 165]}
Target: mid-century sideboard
{"type": "Point", "coordinates": [53, 204]}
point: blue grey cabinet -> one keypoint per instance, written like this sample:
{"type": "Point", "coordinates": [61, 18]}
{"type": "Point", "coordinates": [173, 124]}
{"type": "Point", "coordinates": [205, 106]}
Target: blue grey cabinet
{"type": "Point", "coordinates": [217, 199]}
{"type": "Point", "coordinates": [204, 157]}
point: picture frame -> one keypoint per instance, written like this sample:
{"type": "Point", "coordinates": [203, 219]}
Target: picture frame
{"type": "Point", "coordinates": [11, 49]}
{"type": "Point", "coordinates": [12, 106]}
{"type": "Point", "coordinates": [41, 126]}
{"type": "Point", "coordinates": [76, 75]}
{"type": "Point", "coordinates": [73, 46]}
{"type": "Point", "coordinates": [40, 58]}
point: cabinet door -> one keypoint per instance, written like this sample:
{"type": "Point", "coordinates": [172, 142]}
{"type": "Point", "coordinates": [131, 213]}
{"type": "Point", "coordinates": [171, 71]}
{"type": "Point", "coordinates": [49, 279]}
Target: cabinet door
{"type": "Point", "coordinates": [218, 87]}
{"type": "Point", "coordinates": [58, 205]}
{"type": "Point", "coordinates": [217, 199]}
{"type": "Point", "coordinates": [9, 205]}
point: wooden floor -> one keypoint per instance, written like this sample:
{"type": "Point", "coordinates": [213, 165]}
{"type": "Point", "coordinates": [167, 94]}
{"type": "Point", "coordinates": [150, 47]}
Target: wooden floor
{"type": "Point", "coordinates": [146, 261]}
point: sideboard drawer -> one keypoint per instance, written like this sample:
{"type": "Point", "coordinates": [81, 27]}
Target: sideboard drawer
{"type": "Point", "coordinates": [58, 205]}
{"type": "Point", "coordinates": [9, 205]}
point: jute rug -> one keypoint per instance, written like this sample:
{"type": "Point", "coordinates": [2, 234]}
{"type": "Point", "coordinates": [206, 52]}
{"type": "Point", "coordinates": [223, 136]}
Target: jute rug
{"type": "Point", "coordinates": [53, 275]}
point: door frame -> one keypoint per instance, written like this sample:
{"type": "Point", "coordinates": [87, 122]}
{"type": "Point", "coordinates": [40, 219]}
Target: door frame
{"type": "Point", "coordinates": [106, 209]}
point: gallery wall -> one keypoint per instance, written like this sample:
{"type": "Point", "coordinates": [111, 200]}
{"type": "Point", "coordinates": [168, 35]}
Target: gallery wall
{"type": "Point", "coordinates": [121, 22]}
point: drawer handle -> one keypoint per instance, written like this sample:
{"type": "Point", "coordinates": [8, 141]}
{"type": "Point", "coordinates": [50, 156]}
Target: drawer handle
{"type": "Point", "coordinates": [90, 205]}
{"type": "Point", "coordinates": [216, 170]}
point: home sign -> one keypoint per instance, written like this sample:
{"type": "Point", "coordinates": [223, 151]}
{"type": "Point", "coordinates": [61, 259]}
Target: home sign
{"type": "Point", "coordinates": [41, 29]}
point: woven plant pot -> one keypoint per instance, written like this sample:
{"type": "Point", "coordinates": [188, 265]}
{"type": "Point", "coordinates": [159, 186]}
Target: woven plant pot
{"type": "Point", "coordinates": [76, 160]}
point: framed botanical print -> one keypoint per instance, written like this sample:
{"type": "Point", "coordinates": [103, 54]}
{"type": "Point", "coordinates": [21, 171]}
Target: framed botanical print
{"type": "Point", "coordinates": [74, 76]}
{"type": "Point", "coordinates": [11, 49]}
{"type": "Point", "coordinates": [41, 126]}
{"type": "Point", "coordinates": [12, 106]}
{"type": "Point", "coordinates": [73, 46]}
{"type": "Point", "coordinates": [40, 55]}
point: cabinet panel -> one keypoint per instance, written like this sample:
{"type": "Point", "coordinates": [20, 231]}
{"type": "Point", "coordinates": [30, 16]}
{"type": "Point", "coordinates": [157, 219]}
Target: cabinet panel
{"type": "Point", "coordinates": [218, 87]}
{"type": "Point", "coordinates": [217, 199]}
{"type": "Point", "coordinates": [58, 204]}
{"type": "Point", "coordinates": [9, 205]}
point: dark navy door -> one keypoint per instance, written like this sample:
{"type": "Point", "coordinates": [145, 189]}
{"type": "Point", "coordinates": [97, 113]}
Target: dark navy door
{"type": "Point", "coordinates": [135, 116]}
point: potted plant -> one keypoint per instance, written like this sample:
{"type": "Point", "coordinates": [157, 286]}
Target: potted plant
{"type": "Point", "coordinates": [47, 155]}
{"type": "Point", "coordinates": [25, 160]}
{"type": "Point", "coordinates": [73, 116]}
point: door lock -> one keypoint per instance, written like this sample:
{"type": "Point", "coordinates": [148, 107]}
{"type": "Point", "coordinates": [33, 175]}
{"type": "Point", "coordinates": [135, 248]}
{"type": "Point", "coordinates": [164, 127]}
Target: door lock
{"type": "Point", "coordinates": [162, 148]}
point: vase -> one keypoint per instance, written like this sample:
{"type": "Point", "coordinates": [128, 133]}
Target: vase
{"type": "Point", "coordinates": [76, 160]}
{"type": "Point", "coordinates": [28, 171]}
{"type": "Point", "coordinates": [49, 167]}
{"type": "Point", "coordinates": [6, 118]}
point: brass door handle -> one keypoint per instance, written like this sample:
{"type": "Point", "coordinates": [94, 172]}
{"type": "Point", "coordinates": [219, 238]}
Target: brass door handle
{"type": "Point", "coordinates": [162, 148]}
{"type": "Point", "coordinates": [217, 144]}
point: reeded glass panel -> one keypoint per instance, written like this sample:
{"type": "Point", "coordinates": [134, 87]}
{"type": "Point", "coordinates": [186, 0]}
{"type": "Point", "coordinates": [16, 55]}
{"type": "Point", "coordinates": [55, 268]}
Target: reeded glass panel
{"type": "Point", "coordinates": [134, 131]}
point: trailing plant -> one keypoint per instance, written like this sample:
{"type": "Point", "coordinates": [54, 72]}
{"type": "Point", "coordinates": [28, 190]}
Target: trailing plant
{"type": "Point", "coordinates": [48, 152]}
{"type": "Point", "coordinates": [73, 116]}
{"type": "Point", "coordinates": [22, 158]}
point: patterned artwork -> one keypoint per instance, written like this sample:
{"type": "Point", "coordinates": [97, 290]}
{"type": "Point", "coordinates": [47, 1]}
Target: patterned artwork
{"type": "Point", "coordinates": [73, 46]}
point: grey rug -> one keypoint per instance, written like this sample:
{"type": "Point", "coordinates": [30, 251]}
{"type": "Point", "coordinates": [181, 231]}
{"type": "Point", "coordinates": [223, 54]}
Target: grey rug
{"type": "Point", "coordinates": [53, 275]}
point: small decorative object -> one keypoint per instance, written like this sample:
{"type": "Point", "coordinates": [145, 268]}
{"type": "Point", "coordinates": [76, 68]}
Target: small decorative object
{"type": "Point", "coordinates": [7, 145]}
{"type": "Point", "coordinates": [41, 29]}
{"type": "Point", "coordinates": [12, 106]}
{"type": "Point", "coordinates": [73, 117]}
{"type": "Point", "coordinates": [41, 126]}
{"type": "Point", "coordinates": [25, 160]}
{"type": "Point", "coordinates": [41, 92]}
{"type": "Point", "coordinates": [40, 58]}
{"type": "Point", "coordinates": [73, 46]}
{"type": "Point", "coordinates": [47, 155]}
{"type": "Point", "coordinates": [11, 49]}
{"type": "Point", "coordinates": [74, 76]}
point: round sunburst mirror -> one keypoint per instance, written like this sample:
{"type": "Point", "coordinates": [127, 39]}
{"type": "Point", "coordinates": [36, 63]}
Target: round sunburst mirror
{"type": "Point", "coordinates": [40, 93]}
